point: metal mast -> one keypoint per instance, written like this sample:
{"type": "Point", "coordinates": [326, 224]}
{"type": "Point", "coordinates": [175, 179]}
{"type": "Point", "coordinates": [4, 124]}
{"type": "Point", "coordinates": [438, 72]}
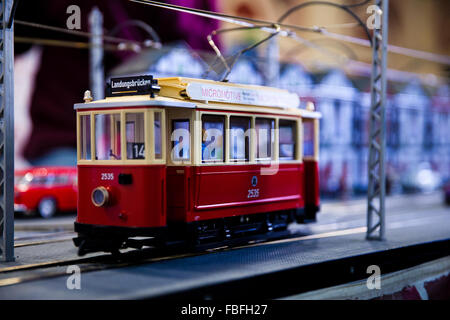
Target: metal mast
{"type": "Point", "coordinates": [377, 130]}
{"type": "Point", "coordinates": [6, 131]}
{"type": "Point", "coordinates": [96, 72]}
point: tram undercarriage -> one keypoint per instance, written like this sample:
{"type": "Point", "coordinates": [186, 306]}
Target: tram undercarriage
{"type": "Point", "coordinates": [92, 238]}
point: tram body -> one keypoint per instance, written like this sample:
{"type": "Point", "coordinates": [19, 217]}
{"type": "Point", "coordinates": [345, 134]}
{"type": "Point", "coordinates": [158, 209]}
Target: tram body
{"type": "Point", "coordinates": [200, 160]}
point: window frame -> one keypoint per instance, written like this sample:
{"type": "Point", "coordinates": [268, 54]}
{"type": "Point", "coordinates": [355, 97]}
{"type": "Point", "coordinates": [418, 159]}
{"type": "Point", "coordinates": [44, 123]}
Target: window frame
{"type": "Point", "coordinates": [298, 139]}
{"type": "Point", "coordinates": [272, 144]}
{"type": "Point", "coordinates": [148, 131]}
{"type": "Point", "coordinates": [224, 144]}
{"type": "Point", "coordinates": [315, 156]}
{"type": "Point", "coordinates": [172, 143]}
{"type": "Point", "coordinates": [122, 134]}
{"type": "Point", "coordinates": [252, 139]}
{"type": "Point", "coordinates": [146, 136]}
{"type": "Point", "coordinates": [80, 144]}
{"type": "Point", "coordinates": [246, 159]}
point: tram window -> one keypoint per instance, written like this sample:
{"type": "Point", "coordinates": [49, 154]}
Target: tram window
{"type": "Point", "coordinates": [264, 138]}
{"type": "Point", "coordinates": [158, 136]}
{"type": "Point", "coordinates": [308, 138]}
{"type": "Point", "coordinates": [180, 140]}
{"type": "Point", "coordinates": [239, 138]}
{"type": "Point", "coordinates": [85, 137]}
{"type": "Point", "coordinates": [135, 135]}
{"type": "Point", "coordinates": [287, 139]}
{"type": "Point", "coordinates": [212, 138]}
{"type": "Point", "coordinates": [107, 137]}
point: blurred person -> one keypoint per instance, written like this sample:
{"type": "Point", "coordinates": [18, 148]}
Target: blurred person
{"type": "Point", "coordinates": [50, 80]}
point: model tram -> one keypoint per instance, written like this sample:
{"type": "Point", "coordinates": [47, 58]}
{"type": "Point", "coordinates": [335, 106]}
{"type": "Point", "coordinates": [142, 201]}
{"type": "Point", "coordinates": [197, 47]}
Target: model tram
{"type": "Point", "coordinates": [181, 159]}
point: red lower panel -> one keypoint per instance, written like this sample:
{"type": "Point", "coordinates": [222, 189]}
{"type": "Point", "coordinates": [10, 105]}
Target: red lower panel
{"type": "Point", "coordinates": [211, 192]}
{"type": "Point", "coordinates": [311, 186]}
{"type": "Point", "coordinates": [142, 203]}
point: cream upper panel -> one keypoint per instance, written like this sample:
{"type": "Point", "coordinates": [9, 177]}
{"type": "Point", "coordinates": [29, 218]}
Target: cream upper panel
{"type": "Point", "coordinates": [187, 93]}
{"type": "Point", "coordinates": [146, 101]}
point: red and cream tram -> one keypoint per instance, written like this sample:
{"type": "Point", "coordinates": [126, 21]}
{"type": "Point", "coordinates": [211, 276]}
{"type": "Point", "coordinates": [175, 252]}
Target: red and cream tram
{"type": "Point", "coordinates": [190, 159]}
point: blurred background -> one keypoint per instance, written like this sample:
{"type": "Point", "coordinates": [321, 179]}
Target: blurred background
{"type": "Point", "coordinates": [52, 71]}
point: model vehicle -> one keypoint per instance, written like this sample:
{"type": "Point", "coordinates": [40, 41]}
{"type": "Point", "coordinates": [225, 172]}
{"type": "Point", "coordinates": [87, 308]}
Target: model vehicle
{"type": "Point", "coordinates": [192, 160]}
{"type": "Point", "coordinates": [45, 190]}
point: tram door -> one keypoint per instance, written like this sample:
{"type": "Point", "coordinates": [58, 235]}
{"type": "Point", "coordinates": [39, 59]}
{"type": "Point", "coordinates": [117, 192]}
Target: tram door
{"type": "Point", "coordinates": [179, 160]}
{"type": "Point", "coordinates": [311, 169]}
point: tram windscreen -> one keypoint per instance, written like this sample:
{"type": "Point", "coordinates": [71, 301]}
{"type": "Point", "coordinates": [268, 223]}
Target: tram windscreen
{"type": "Point", "coordinates": [107, 137]}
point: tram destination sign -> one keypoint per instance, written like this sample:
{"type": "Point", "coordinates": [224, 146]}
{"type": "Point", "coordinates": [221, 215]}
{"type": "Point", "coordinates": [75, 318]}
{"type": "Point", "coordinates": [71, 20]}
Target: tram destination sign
{"type": "Point", "coordinates": [132, 86]}
{"type": "Point", "coordinates": [241, 95]}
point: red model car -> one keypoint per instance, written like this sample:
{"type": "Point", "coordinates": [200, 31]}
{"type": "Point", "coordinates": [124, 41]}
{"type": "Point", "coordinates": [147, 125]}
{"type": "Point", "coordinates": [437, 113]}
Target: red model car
{"type": "Point", "coordinates": [45, 190]}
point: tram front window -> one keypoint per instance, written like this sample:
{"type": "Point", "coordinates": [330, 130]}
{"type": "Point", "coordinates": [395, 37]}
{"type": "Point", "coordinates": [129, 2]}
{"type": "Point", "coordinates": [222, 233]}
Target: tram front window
{"type": "Point", "coordinates": [135, 135]}
{"type": "Point", "coordinates": [107, 137]}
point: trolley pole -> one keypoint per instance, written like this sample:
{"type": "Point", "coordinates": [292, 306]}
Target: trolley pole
{"type": "Point", "coordinates": [6, 131]}
{"type": "Point", "coordinates": [96, 70]}
{"type": "Point", "coordinates": [377, 130]}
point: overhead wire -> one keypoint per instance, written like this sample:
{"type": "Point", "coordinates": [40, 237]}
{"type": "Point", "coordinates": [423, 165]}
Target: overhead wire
{"type": "Point", "coordinates": [303, 41]}
{"type": "Point", "coordinates": [349, 52]}
{"type": "Point", "coordinates": [327, 3]}
{"type": "Point", "coordinates": [86, 34]}
{"type": "Point", "coordinates": [141, 24]}
{"type": "Point", "coordinates": [219, 55]}
{"type": "Point", "coordinates": [246, 24]}
{"type": "Point", "coordinates": [68, 44]}
{"type": "Point", "coordinates": [364, 2]}
{"type": "Point", "coordinates": [286, 29]}
{"type": "Point", "coordinates": [348, 25]}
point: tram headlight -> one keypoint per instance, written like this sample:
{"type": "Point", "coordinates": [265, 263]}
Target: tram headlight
{"type": "Point", "coordinates": [100, 196]}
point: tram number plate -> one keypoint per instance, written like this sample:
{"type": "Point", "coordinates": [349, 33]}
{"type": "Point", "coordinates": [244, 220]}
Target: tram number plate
{"type": "Point", "coordinates": [138, 150]}
{"type": "Point", "coordinates": [107, 176]}
{"type": "Point", "coordinates": [253, 193]}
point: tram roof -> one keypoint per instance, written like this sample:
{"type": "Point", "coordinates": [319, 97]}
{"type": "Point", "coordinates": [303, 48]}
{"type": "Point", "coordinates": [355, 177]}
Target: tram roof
{"type": "Point", "coordinates": [208, 94]}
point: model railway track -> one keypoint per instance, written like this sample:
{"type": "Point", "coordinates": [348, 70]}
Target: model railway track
{"type": "Point", "coordinates": [97, 263]}
{"type": "Point", "coordinates": [149, 255]}
{"type": "Point", "coordinates": [130, 258]}
{"type": "Point", "coordinates": [134, 258]}
{"type": "Point", "coordinates": [36, 243]}
{"type": "Point", "coordinates": [90, 264]}
{"type": "Point", "coordinates": [41, 239]}
{"type": "Point", "coordinates": [140, 256]}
